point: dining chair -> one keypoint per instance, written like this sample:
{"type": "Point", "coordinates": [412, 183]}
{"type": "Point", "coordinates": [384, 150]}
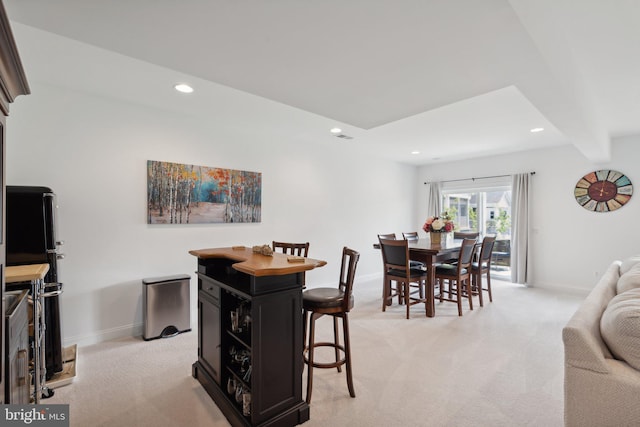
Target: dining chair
{"type": "Point", "coordinates": [395, 256]}
{"type": "Point", "coordinates": [412, 236]}
{"type": "Point", "coordinates": [397, 292]}
{"type": "Point", "coordinates": [335, 302]}
{"type": "Point", "coordinates": [413, 264]}
{"type": "Point", "coordinates": [458, 276]}
{"type": "Point", "coordinates": [483, 266]}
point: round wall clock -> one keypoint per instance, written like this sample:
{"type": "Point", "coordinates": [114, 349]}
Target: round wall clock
{"type": "Point", "coordinates": [603, 190]}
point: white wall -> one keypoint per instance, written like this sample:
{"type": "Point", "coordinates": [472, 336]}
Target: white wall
{"type": "Point", "coordinates": [78, 134]}
{"type": "Point", "coordinates": [94, 118]}
{"type": "Point", "coordinates": [571, 246]}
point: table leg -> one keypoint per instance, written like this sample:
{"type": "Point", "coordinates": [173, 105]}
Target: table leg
{"type": "Point", "coordinates": [430, 306]}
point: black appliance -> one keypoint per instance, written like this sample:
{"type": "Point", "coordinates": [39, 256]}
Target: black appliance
{"type": "Point", "coordinates": [31, 239]}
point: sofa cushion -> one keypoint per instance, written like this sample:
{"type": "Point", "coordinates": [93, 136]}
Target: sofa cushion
{"type": "Point", "coordinates": [620, 327]}
{"type": "Point", "coordinates": [628, 263]}
{"type": "Point", "coordinates": [629, 280]}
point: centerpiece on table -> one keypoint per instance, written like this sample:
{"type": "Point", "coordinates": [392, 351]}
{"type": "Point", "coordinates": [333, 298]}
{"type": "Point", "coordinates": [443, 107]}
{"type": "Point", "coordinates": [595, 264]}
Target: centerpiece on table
{"type": "Point", "coordinates": [437, 226]}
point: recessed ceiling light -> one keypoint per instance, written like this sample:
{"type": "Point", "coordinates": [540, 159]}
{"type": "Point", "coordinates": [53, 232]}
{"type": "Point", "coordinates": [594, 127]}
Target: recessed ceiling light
{"type": "Point", "coordinates": [534, 130]}
{"type": "Point", "coordinates": [336, 130]}
{"type": "Point", "coordinates": [184, 88]}
{"type": "Point", "coordinates": [415, 152]}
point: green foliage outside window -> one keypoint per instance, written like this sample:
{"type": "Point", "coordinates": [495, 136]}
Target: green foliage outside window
{"type": "Point", "coordinates": [504, 222]}
{"type": "Point", "coordinates": [453, 214]}
{"type": "Point", "coordinates": [473, 219]}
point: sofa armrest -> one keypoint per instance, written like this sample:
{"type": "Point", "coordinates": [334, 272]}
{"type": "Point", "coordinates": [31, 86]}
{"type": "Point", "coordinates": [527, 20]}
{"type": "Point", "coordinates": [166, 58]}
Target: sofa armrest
{"type": "Point", "coordinates": [583, 343]}
{"type": "Point", "coordinates": [602, 400]}
{"type": "Point", "coordinates": [581, 350]}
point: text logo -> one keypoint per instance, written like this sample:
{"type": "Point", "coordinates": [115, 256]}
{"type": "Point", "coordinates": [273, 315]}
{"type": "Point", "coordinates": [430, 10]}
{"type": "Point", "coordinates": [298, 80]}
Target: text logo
{"type": "Point", "coordinates": [35, 415]}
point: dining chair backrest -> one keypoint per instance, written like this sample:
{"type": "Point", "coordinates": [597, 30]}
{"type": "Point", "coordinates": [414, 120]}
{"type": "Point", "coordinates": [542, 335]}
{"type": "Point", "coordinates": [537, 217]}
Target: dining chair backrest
{"type": "Point", "coordinates": [347, 274]}
{"type": "Point", "coordinates": [465, 234]}
{"type": "Point", "coordinates": [411, 236]}
{"type": "Point", "coordinates": [486, 250]}
{"type": "Point", "coordinates": [466, 253]}
{"type": "Point", "coordinates": [390, 236]}
{"type": "Point", "coordinates": [298, 249]}
{"type": "Point", "coordinates": [395, 254]}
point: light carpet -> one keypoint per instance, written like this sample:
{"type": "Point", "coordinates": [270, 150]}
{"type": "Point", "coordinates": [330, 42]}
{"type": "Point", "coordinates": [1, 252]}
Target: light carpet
{"type": "Point", "coordinates": [498, 365]}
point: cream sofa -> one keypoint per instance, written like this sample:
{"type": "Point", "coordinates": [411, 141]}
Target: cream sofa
{"type": "Point", "coordinates": [599, 389]}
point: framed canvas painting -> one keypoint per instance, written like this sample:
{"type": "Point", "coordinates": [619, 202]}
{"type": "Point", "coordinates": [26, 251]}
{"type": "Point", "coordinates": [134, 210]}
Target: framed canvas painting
{"type": "Point", "coordinates": [190, 194]}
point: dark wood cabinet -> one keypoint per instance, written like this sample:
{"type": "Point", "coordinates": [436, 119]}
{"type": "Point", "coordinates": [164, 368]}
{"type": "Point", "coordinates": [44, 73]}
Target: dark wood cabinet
{"type": "Point", "coordinates": [17, 387]}
{"type": "Point", "coordinates": [250, 343]}
{"type": "Point", "coordinates": [209, 330]}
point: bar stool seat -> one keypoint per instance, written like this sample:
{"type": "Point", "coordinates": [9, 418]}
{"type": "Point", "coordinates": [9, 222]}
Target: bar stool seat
{"type": "Point", "coordinates": [324, 298]}
{"type": "Point", "coordinates": [335, 302]}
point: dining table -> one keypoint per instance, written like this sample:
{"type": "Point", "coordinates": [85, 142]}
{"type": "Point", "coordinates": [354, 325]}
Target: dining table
{"type": "Point", "coordinates": [431, 253]}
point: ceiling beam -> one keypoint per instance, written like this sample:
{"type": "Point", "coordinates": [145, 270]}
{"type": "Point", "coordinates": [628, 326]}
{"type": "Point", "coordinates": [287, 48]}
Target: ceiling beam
{"type": "Point", "coordinates": [572, 108]}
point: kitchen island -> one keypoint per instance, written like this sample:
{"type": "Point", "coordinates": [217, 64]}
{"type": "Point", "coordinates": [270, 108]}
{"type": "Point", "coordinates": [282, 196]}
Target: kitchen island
{"type": "Point", "coordinates": [250, 334]}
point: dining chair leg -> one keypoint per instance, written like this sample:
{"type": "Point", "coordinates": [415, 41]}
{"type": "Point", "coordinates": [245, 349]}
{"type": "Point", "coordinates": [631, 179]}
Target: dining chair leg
{"type": "Point", "coordinates": [467, 283]}
{"type": "Point", "coordinates": [478, 283]}
{"type": "Point", "coordinates": [336, 340]}
{"type": "Point", "coordinates": [386, 294]}
{"type": "Point", "coordinates": [405, 286]}
{"type": "Point", "coordinates": [459, 294]}
{"type": "Point", "coordinates": [489, 286]}
{"type": "Point", "coordinates": [347, 354]}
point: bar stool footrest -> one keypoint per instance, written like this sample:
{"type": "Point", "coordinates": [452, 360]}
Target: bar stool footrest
{"type": "Point", "coordinates": [327, 365]}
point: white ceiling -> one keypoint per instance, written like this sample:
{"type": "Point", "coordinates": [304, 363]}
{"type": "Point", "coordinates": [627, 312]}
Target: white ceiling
{"type": "Point", "coordinates": [452, 79]}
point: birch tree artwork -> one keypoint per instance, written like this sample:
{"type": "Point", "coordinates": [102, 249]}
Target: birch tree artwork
{"type": "Point", "coordinates": [189, 194]}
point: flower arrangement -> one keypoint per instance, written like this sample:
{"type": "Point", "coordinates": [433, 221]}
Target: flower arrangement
{"type": "Point", "coordinates": [439, 224]}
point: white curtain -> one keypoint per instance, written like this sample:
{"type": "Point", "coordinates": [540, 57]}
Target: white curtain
{"type": "Point", "coordinates": [434, 198]}
{"type": "Point", "coordinates": [520, 208]}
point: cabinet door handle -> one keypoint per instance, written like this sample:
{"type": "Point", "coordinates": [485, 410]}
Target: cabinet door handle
{"type": "Point", "coordinates": [22, 355]}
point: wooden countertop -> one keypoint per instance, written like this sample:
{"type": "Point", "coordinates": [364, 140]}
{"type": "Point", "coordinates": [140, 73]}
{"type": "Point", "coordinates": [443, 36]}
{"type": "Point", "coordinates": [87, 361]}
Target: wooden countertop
{"type": "Point", "coordinates": [257, 264]}
{"type": "Point", "coordinates": [25, 273]}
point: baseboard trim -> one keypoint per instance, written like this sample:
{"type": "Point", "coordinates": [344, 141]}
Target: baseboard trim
{"type": "Point", "coordinates": [132, 330]}
{"type": "Point", "coordinates": [137, 329]}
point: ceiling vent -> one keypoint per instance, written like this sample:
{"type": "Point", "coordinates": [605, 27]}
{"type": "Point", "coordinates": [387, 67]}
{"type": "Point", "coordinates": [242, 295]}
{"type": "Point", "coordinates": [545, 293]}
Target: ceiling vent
{"type": "Point", "coordinates": [343, 136]}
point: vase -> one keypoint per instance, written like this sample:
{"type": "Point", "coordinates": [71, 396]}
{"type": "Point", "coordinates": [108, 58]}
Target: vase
{"type": "Point", "coordinates": [436, 238]}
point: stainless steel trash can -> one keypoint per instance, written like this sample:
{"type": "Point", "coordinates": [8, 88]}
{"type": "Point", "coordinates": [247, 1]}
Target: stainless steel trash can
{"type": "Point", "coordinates": [166, 306]}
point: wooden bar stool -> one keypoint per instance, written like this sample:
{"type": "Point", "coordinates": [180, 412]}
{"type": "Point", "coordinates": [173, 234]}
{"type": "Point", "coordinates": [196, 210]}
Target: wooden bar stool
{"type": "Point", "coordinates": [335, 302]}
{"type": "Point", "coordinates": [297, 249]}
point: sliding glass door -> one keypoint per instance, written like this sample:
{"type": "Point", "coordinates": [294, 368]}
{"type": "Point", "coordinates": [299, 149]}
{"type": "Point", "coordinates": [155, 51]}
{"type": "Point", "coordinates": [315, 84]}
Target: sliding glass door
{"type": "Point", "coordinates": [486, 210]}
